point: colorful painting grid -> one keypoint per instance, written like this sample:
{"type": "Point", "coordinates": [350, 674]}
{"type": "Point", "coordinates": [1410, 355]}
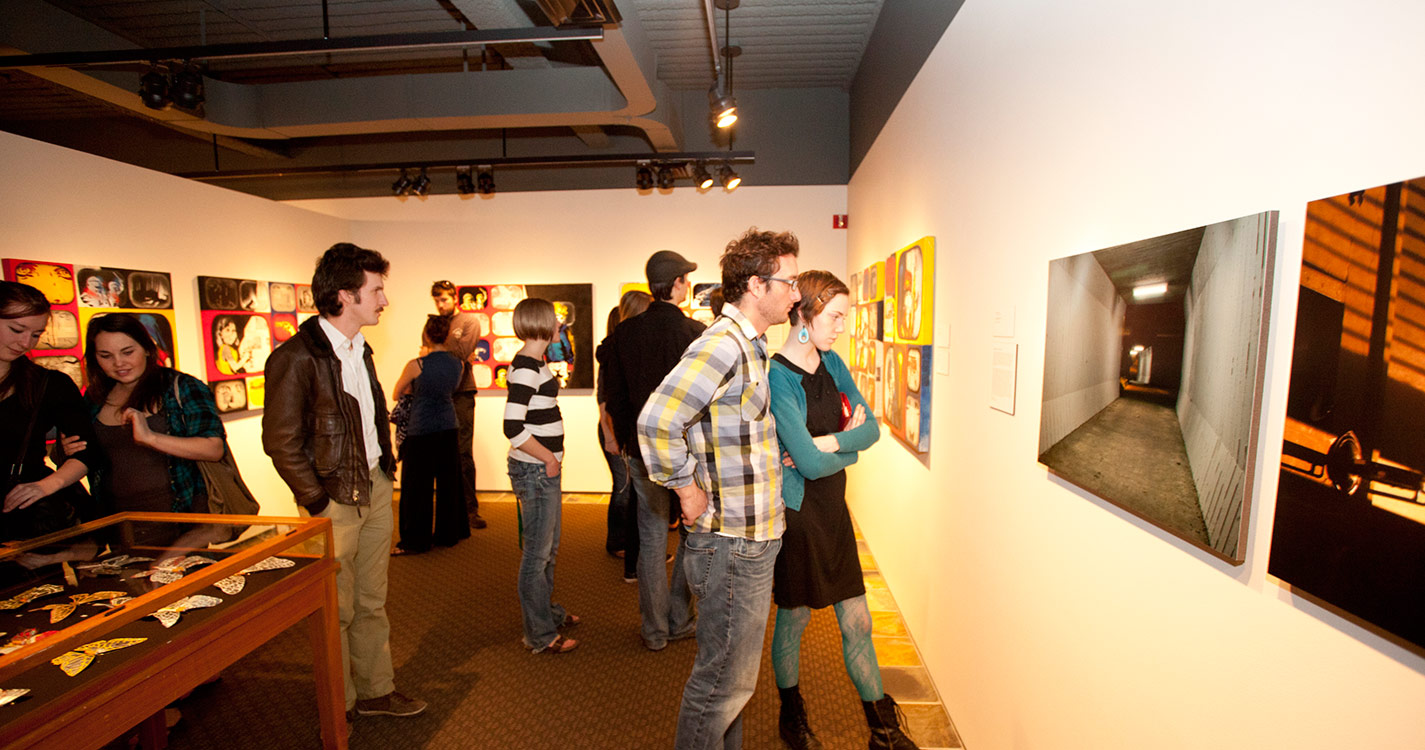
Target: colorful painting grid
{"type": "Point", "coordinates": [148, 295]}
{"type": "Point", "coordinates": [243, 319]}
{"type": "Point", "coordinates": [570, 356]}
{"type": "Point", "coordinates": [892, 313]}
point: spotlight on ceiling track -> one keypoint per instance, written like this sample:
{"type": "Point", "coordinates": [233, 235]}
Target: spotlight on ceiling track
{"type": "Point", "coordinates": [402, 184]}
{"type": "Point", "coordinates": [153, 89]}
{"type": "Point", "coordinates": [729, 178]}
{"type": "Point", "coordinates": [722, 107]}
{"type": "Point", "coordinates": [464, 183]}
{"type": "Point", "coordinates": [485, 181]}
{"type": "Point", "coordinates": [421, 186]}
{"type": "Point", "coordinates": [665, 177]}
{"type": "Point", "coordinates": [702, 176]}
{"type": "Point", "coordinates": [187, 89]}
{"type": "Point", "coordinates": [643, 177]}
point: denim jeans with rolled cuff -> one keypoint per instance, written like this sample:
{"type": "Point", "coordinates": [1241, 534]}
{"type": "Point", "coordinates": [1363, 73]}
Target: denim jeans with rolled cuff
{"type": "Point", "coordinates": [539, 500]}
{"type": "Point", "coordinates": [667, 607]}
{"type": "Point", "coordinates": [732, 578]}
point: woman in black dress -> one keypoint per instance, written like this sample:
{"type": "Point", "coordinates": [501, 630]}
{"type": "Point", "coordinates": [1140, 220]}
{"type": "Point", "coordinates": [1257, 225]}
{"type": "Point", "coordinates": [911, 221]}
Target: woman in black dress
{"type": "Point", "coordinates": [34, 400]}
{"type": "Point", "coordinates": [822, 423]}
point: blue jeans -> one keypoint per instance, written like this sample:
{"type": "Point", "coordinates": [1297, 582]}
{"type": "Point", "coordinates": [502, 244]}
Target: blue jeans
{"type": "Point", "coordinates": [732, 578]}
{"type": "Point", "coordinates": [539, 499]}
{"type": "Point", "coordinates": [667, 608]}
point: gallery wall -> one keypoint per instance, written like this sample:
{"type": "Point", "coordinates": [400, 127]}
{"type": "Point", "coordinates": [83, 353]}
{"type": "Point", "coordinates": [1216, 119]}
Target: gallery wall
{"type": "Point", "coordinates": [63, 205]}
{"type": "Point", "coordinates": [1050, 618]}
{"type": "Point", "coordinates": [1223, 305]}
{"type": "Point", "coordinates": [1086, 333]}
{"type": "Point", "coordinates": [601, 237]}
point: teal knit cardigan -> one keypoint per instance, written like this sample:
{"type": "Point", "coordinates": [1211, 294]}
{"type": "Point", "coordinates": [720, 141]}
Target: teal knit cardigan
{"type": "Point", "coordinates": [789, 408]}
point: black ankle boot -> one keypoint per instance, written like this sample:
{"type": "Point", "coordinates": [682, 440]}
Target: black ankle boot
{"type": "Point", "coordinates": [792, 721]}
{"type": "Point", "coordinates": [884, 716]}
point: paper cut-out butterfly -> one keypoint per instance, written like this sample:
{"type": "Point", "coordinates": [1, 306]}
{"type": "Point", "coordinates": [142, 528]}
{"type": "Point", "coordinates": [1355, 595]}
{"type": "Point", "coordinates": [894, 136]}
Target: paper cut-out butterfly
{"type": "Point", "coordinates": [234, 583]}
{"type": "Point", "coordinates": [74, 662]}
{"type": "Point", "coordinates": [31, 595]}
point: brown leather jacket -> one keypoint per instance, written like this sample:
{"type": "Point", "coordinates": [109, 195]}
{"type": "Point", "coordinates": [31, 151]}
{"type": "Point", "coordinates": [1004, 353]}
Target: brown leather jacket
{"type": "Point", "coordinates": [311, 427]}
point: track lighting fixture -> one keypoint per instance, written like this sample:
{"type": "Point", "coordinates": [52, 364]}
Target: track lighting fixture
{"type": "Point", "coordinates": [485, 181]}
{"type": "Point", "coordinates": [665, 177]}
{"type": "Point", "coordinates": [402, 184]}
{"type": "Point", "coordinates": [464, 183]}
{"type": "Point", "coordinates": [153, 89]}
{"type": "Point", "coordinates": [729, 178]}
{"type": "Point", "coordinates": [723, 107]}
{"type": "Point", "coordinates": [186, 89]}
{"type": "Point", "coordinates": [422, 184]}
{"type": "Point", "coordinates": [643, 177]}
{"type": "Point", "coordinates": [702, 176]}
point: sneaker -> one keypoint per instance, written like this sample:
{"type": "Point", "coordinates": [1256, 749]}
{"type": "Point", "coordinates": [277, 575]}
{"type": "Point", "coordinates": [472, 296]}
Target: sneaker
{"type": "Point", "coordinates": [390, 704]}
{"type": "Point", "coordinates": [630, 579]}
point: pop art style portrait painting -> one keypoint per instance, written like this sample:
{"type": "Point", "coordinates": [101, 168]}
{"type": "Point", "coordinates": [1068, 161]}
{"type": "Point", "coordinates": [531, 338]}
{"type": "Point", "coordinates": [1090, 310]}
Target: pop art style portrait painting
{"type": "Point", "coordinates": [570, 355]}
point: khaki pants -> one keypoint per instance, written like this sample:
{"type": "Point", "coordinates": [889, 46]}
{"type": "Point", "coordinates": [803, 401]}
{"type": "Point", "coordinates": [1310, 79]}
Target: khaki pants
{"type": "Point", "coordinates": [362, 546]}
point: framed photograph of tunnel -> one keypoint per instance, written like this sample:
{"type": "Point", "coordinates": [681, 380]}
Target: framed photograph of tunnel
{"type": "Point", "coordinates": [1153, 375]}
{"type": "Point", "coordinates": [1349, 528]}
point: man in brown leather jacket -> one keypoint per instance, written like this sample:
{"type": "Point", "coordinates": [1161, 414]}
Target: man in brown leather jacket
{"type": "Point", "coordinates": [326, 428]}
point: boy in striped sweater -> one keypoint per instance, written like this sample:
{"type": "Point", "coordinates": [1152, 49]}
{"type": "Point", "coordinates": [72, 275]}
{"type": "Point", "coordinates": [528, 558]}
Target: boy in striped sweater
{"type": "Point", "coordinates": [536, 433]}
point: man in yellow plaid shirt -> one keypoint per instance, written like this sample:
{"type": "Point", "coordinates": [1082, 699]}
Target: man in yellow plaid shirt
{"type": "Point", "coordinates": [707, 433]}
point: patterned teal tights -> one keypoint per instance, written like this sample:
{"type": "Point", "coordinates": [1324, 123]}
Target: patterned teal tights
{"type": "Point", "coordinates": [856, 648]}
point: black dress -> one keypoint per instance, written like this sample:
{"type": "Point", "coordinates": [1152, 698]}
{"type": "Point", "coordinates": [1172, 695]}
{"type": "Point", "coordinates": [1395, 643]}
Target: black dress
{"type": "Point", "coordinates": [818, 565]}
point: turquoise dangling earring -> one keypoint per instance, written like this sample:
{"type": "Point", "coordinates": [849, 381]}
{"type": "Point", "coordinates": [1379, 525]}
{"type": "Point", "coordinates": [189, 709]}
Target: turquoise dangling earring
{"type": "Point", "coordinates": [803, 335]}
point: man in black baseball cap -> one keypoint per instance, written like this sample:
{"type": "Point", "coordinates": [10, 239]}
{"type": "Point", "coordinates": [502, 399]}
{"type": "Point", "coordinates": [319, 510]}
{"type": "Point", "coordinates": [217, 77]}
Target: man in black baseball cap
{"type": "Point", "coordinates": [664, 267]}
{"type": "Point", "coordinates": [642, 350]}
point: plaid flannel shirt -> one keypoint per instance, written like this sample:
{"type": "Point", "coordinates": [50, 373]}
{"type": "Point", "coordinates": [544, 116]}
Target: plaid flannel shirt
{"type": "Point", "coordinates": [191, 413]}
{"type": "Point", "coordinates": [709, 422]}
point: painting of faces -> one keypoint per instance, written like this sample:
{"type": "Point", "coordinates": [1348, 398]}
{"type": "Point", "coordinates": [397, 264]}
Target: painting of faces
{"type": "Point", "coordinates": [1349, 526]}
{"type": "Point", "coordinates": [891, 340]}
{"type": "Point", "coordinates": [243, 319]}
{"type": "Point", "coordinates": [570, 355]}
{"type": "Point", "coordinates": [80, 294]}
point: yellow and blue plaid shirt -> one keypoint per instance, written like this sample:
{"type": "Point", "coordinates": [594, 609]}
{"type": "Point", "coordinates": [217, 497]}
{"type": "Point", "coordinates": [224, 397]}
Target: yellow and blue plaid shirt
{"type": "Point", "coordinates": [709, 422]}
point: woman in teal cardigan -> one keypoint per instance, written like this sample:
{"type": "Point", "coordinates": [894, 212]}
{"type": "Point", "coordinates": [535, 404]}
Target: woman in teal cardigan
{"type": "Point", "coordinates": [822, 423]}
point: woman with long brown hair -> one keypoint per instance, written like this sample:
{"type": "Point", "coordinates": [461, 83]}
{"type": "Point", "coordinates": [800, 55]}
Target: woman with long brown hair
{"type": "Point", "coordinates": [34, 400]}
{"type": "Point", "coordinates": [153, 422]}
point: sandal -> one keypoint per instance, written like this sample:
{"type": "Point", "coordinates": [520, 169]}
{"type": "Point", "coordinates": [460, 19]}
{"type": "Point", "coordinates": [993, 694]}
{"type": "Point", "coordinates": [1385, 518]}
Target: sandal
{"type": "Point", "coordinates": [570, 620]}
{"type": "Point", "coordinates": [560, 645]}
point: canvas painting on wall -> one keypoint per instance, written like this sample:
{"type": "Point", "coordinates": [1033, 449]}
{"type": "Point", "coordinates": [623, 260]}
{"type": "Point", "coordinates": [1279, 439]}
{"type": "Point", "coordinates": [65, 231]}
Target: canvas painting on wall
{"type": "Point", "coordinates": [1153, 374]}
{"type": "Point", "coordinates": [570, 356]}
{"type": "Point", "coordinates": [892, 315]}
{"type": "Point", "coordinates": [81, 294]}
{"type": "Point", "coordinates": [243, 319]}
{"type": "Point", "coordinates": [698, 304]}
{"type": "Point", "coordinates": [1349, 528]}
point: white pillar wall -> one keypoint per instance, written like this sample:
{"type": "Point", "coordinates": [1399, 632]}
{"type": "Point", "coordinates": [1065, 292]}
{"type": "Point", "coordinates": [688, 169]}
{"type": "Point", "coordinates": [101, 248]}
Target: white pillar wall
{"type": "Point", "coordinates": [1047, 617]}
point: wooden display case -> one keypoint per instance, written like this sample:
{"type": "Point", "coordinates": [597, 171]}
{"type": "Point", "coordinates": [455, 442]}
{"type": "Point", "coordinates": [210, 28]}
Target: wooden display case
{"type": "Point", "coordinates": [123, 688]}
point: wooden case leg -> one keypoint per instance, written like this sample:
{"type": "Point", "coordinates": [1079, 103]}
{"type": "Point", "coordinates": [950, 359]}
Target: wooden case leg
{"type": "Point", "coordinates": [331, 688]}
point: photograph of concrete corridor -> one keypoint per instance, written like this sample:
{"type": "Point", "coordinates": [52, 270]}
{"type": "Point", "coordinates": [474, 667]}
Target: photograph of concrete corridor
{"type": "Point", "coordinates": [1152, 376]}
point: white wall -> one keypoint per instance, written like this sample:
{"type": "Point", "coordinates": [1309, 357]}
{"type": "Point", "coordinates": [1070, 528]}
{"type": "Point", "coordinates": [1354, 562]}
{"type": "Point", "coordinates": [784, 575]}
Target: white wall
{"type": "Point", "coordinates": [1084, 343]}
{"type": "Point", "coordinates": [1036, 130]}
{"type": "Point", "coordinates": [1220, 364]}
{"type": "Point", "coordinates": [63, 205]}
{"type": "Point", "coordinates": [602, 237]}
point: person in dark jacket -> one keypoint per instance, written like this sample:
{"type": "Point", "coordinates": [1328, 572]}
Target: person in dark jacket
{"type": "Point", "coordinates": [326, 428]}
{"type": "Point", "coordinates": [642, 350]}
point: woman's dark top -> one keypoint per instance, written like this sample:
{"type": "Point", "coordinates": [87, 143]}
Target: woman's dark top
{"type": "Point", "coordinates": [138, 476]}
{"type": "Point", "coordinates": [818, 565]}
{"type": "Point", "coordinates": [60, 408]}
{"type": "Point", "coordinates": [432, 410]}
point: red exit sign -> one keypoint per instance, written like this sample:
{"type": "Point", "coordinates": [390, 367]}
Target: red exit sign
{"type": "Point", "coordinates": [838, 221]}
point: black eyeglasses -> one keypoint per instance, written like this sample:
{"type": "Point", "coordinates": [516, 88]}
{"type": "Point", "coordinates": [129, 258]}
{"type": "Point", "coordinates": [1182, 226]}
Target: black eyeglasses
{"type": "Point", "coordinates": [791, 283]}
